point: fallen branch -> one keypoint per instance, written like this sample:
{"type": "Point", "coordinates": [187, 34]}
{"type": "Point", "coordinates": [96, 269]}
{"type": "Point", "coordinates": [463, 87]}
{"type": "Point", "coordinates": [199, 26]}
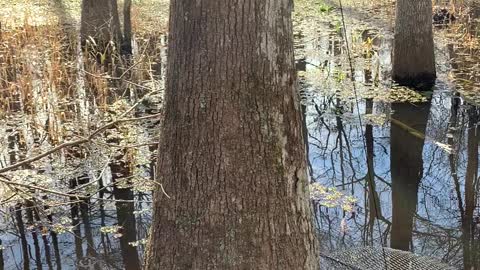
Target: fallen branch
{"type": "Point", "coordinates": [74, 143]}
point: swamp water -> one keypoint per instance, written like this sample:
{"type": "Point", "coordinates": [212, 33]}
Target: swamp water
{"type": "Point", "coordinates": [392, 168]}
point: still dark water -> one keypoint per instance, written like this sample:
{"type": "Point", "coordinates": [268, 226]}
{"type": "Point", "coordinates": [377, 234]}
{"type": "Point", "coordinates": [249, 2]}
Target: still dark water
{"type": "Point", "coordinates": [398, 169]}
{"type": "Point", "coordinates": [408, 160]}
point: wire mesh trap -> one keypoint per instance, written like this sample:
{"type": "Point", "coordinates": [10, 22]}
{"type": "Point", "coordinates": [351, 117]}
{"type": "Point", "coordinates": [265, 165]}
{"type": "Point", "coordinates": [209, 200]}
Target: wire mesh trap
{"type": "Point", "coordinates": [371, 258]}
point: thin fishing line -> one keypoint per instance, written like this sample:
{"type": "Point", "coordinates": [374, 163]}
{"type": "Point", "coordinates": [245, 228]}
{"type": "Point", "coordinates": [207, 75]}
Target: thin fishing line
{"type": "Point", "coordinates": [371, 179]}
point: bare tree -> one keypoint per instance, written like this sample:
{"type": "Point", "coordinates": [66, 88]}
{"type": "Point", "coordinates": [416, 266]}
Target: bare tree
{"type": "Point", "coordinates": [232, 159]}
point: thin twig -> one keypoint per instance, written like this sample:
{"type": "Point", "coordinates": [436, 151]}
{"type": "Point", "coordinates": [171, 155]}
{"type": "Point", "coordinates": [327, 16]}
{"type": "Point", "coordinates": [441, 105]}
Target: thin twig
{"type": "Point", "coordinates": [8, 181]}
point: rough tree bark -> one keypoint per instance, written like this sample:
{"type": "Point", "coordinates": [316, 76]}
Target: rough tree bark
{"type": "Point", "coordinates": [413, 51]}
{"type": "Point", "coordinates": [231, 156]}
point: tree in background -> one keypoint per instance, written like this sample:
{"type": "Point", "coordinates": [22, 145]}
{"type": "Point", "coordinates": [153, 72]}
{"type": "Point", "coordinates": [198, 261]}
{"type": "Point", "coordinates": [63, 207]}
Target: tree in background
{"type": "Point", "coordinates": [127, 28]}
{"type": "Point", "coordinates": [413, 52]}
{"type": "Point", "coordinates": [100, 21]}
{"type": "Point", "coordinates": [231, 159]}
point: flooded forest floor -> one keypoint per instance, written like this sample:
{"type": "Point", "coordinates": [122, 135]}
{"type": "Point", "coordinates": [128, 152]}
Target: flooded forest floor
{"type": "Point", "coordinates": [390, 167]}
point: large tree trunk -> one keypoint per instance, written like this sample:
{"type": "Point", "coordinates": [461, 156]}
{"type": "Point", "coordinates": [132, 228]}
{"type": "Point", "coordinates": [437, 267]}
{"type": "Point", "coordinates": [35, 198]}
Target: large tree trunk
{"type": "Point", "coordinates": [413, 58]}
{"type": "Point", "coordinates": [232, 157]}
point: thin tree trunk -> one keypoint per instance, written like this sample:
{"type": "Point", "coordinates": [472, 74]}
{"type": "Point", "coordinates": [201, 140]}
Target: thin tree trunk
{"type": "Point", "coordinates": [468, 225]}
{"type": "Point", "coordinates": [53, 234]}
{"type": "Point", "coordinates": [100, 21]}
{"type": "Point", "coordinates": [125, 216]}
{"type": "Point", "coordinates": [74, 211]}
{"type": "Point", "coordinates": [42, 229]}
{"type": "Point", "coordinates": [84, 207]}
{"type": "Point", "coordinates": [373, 198]}
{"type": "Point", "coordinates": [374, 209]}
{"type": "Point", "coordinates": [23, 238]}
{"type": "Point", "coordinates": [2, 263]}
{"type": "Point", "coordinates": [31, 223]}
{"type": "Point", "coordinates": [413, 57]}
{"type": "Point", "coordinates": [232, 157]}
{"type": "Point", "coordinates": [127, 28]}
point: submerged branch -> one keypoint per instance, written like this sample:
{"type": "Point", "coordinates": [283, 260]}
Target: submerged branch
{"type": "Point", "coordinates": [77, 142]}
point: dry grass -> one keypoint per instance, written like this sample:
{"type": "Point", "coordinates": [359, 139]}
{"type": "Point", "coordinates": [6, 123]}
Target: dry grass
{"type": "Point", "coordinates": [35, 46]}
{"type": "Point", "coordinates": [53, 91]}
{"type": "Point", "coordinates": [150, 14]}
